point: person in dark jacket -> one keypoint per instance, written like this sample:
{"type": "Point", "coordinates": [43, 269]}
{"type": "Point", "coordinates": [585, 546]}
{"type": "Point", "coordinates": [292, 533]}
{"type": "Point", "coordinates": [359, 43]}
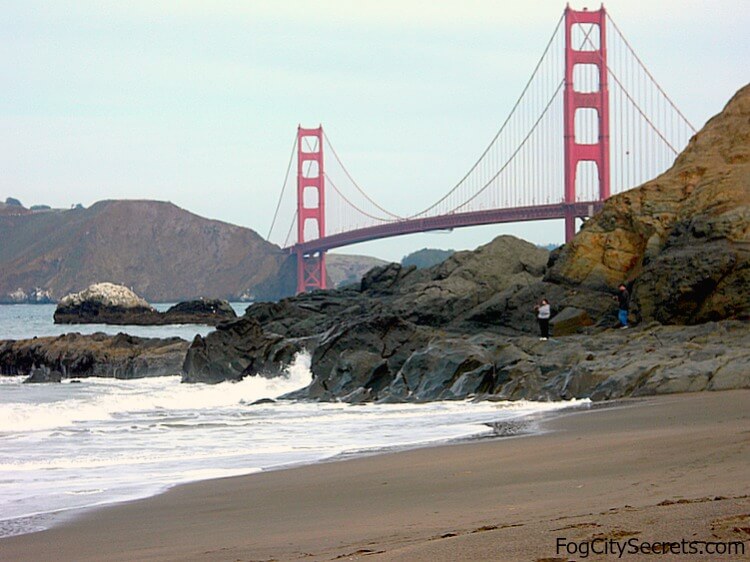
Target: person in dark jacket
{"type": "Point", "coordinates": [623, 305]}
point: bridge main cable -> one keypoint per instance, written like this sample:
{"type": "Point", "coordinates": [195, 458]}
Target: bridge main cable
{"type": "Point", "coordinates": [630, 98]}
{"type": "Point", "coordinates": [502, 127]}
{"type": "Point", "coordinates": [356, 185]}
{"type": "Point", "coordinates": [283, 189]}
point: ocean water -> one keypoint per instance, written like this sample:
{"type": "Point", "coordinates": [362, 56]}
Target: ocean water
{"type": "Point", "coordinates": [21, 321]}
{"type": "Point", "coordinates": [80, 444]}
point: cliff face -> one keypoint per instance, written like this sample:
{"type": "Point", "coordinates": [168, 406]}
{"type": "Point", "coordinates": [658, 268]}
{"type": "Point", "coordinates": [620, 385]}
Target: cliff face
{"type": "Point", "coordinates": [161, 251]}
{"type": "Point", "coordinates": [683, 239]}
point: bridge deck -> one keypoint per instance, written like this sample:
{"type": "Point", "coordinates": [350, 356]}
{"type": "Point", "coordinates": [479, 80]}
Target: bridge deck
{"type": "Point", "coordinates": [447, 222]}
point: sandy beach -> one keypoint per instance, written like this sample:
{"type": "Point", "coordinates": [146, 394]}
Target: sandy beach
{"type": "Point", "coordinates": [659, 469]}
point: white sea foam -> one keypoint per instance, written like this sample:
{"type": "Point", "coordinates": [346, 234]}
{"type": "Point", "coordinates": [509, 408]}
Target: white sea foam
{"type": "Point", "coordinates": [104, 399]}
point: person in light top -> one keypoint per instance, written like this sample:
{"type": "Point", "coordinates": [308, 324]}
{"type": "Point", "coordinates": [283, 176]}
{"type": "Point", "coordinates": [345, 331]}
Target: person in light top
{"type": "Point", "coordinates": [543, 313]}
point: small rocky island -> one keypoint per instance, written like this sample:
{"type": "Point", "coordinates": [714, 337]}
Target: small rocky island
{"type": "Point", "coordinates": [107, 303]}
{"type": "Point", "coordinates": [52, 359]}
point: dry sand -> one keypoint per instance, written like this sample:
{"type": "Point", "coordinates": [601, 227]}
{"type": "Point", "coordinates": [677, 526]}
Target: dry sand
{"type": "Point", "coordinates": [658, 469]}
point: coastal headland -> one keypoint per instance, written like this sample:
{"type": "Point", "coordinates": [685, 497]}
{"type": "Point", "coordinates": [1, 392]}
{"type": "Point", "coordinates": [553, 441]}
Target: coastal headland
{"type": "Point", "coordinates": [662, 469]}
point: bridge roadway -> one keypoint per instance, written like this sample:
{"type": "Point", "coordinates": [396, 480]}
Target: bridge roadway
{"type": "Point", "coordinates": [448, 222]}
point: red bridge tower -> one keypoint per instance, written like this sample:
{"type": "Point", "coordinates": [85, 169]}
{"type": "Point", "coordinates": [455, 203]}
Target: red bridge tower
{"type": "Point", "coordinates": [311, 206]}
{"type": "Point", "coordinates": [574, 100]}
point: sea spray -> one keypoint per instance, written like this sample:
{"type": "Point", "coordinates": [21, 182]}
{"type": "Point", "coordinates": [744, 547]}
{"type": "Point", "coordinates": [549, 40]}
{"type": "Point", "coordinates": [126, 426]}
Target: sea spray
{"type": "Point", "coordinates": [101, 399]}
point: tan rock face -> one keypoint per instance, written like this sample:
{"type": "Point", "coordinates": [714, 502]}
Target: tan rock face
{"type": "Point", "coordinates": [682, 238]}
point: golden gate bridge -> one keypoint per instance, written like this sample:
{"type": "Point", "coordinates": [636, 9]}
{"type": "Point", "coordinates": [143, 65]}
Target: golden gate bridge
{"type": "Point", "coordinates": [590, 122]}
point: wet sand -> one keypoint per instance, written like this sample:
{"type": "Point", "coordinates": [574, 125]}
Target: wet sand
{"type": "Point", "coordinates": [657, 469]}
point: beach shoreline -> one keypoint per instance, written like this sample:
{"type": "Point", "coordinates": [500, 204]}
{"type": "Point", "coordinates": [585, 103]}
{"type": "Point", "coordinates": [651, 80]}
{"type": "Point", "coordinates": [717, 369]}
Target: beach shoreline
{"type": "Point", "coordinates": [525, 424]}
{"type": "Point", "coordinates": [660, 468]}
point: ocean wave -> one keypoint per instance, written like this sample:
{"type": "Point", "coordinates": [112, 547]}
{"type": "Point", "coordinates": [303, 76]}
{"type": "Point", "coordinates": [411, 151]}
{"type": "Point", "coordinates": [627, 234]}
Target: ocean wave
{"type": "Point", "coordinates": [105, 399]}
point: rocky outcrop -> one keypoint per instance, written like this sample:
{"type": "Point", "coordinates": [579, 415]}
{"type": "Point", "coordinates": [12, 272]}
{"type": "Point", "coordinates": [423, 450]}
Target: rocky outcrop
{"type": "Point", "coordinates": [654, 359]}
{"type": "Point", "coordinates": [362, 337]}
{"type": "Point", "coordinates": [682, 239]}
{"type": "Point", "coordinates": [199, 311]}
{"type": "Point", "coordinates": [107, 303]}
{"type": "Point", "coordinates": [51, 359]}
{"type": "Point", "coordinates": [235, 350]}
{"type": "Point", "coordinates": [461, 328]}
{"type": "Point", "coordinates": [363, 354]}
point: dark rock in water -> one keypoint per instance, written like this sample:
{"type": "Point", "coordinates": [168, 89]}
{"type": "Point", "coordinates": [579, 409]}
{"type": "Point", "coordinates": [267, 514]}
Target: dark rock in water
{"type": "Point", "coordinates": [43, 374]}
{"type": "Point", "coordinates": [366, 353]}
{"type": "Point", "coordinates": [237, 349]}
{"type": "Point", "coordinates": [263, 401]}
{"type": "Point", "coordinates": [50, 359]}
{"type": "Point", "coordinates": [106, 303]}
{"type": "Point", "coordinates": [200, 311]}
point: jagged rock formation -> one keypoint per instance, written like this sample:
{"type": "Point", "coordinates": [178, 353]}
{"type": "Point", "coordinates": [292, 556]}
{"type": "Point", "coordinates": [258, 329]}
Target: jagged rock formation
{"type": "Point", "coordinates": [682, 239]}
{"type": "Point", "coordinates": [415, 365]}
{"type": "Point", "coordinates": [391, 303]}
{"type": "Point", "coordinates": [107, 303]}
{"type": "Point", "coordinates": [235, 350]}
{"type": "Point", "coordinates": [122, 356]}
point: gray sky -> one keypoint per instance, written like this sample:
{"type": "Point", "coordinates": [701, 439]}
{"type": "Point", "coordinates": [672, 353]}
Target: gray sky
{"type": "Point", "coordinates": [198, 102]}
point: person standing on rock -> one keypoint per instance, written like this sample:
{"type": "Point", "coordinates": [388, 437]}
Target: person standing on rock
{"type": "Point", "coordinates": [543, 313]}
{"type": "Point", "coordinates": [623, 305]}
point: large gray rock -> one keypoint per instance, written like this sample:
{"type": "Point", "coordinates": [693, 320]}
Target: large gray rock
{"type": "Point", "coordinates": [570, 321]}
{"type": "Point", "coordinates": [235, 350]}
{"type": "Point", "coordinates": [366, 353]}
{"type": "Point", "coordinates": [452, 368]}
{"type": "Point", "coordinates": [51, 359]}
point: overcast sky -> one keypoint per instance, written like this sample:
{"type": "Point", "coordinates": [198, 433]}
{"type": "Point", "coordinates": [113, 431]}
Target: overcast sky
{"type": "Point", "coordinates": [198, 102]}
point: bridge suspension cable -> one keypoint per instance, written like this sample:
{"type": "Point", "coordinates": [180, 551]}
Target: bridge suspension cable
{"type": "Point", "coordinates": [634, 102]}
{"type": "Point", "coordinates": [523, 166]}
{"type": "Point", "coordinates": [515, 153]}
{"type": "Point", "coordinates": [357, 186]}
{"type": "Point", "coordinates": [283, 189]}
{"type": "Point", "coordinates": [502, 127]}
{"type": "Point", "coordinates": [648, 73]}
{"type": "Point", "coordinates": [353, 205]}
